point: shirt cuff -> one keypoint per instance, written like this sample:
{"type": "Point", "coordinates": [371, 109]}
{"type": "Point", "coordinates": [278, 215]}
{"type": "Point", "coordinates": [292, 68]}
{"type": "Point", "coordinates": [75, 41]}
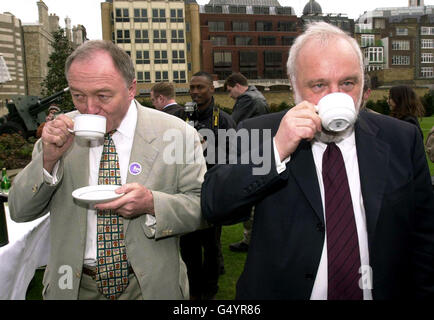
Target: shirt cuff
{"type": "Point", "coordinates": [280, 165]}
{"type": "Point", "coordinates": [51, 178]}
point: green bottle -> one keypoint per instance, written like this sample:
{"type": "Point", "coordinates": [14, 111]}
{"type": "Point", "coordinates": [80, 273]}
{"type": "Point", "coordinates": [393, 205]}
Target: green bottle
{"type": "Point", "coordinates": [6, 183]}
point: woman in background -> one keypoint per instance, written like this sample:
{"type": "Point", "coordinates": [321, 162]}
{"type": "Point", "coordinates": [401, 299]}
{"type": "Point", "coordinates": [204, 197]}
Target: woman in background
{"type": "Point", "coordinates": [405, 105]}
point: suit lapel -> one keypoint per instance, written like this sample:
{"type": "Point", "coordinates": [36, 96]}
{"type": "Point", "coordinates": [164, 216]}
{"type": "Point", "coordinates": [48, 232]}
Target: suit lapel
{"type": "Point", "coordinates": [142, 152]}
{"type": "Point", "coordinates": [80, 178]}
{"type": "Point", "coordinates": [373, 158]}
{"type": "Point", "coordinates": [303, 169]}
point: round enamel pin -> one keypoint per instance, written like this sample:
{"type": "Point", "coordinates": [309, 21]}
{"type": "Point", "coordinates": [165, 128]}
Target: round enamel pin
{"type": "Point", "coordinates": [135, 168]}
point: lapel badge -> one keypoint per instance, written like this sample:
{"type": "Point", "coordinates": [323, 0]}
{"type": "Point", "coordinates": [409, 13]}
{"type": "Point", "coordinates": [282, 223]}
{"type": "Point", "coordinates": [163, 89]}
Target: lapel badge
{"type": "Point", "coordinates": [135, 168]}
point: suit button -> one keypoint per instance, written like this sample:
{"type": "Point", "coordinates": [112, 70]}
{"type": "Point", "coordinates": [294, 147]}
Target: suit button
{"type": "Point", "coordinates": [320, 227]}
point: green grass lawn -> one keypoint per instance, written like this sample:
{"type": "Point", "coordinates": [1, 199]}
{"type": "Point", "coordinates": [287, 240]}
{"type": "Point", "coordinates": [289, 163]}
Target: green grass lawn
{"type": "Point", "coordinates": [426, 124]}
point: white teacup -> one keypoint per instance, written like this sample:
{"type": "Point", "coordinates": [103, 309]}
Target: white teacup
{"type": "Point", "coordinates": [337, 111]}
{"type": "Point", "coordinates": [89, 126]}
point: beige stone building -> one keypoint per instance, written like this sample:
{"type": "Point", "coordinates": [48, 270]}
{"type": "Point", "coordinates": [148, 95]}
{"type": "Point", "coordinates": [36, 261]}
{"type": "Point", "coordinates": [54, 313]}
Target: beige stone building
{"type": "Point", "coordinates": [155, 35]}
{"type": "Point", "coordinates": [12, 52]}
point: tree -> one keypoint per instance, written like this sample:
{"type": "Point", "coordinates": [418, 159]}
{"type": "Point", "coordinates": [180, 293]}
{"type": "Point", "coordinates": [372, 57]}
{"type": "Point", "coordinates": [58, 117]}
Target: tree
{"type": "Point", "coordinates": [55, 80]}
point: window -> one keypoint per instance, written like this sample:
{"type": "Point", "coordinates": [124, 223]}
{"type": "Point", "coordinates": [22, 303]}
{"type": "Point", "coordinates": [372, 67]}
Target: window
{"type": "Point", "coordinates": [140, 15]}
{"type": "Point", "coordinates": [160, 36]}
{"type": "Point", "coordinates": [237, 9]}
{"type": "Point", "coordinates": [427, 43]}
{"type": "Point", "coordinates": [374, 54]}
{"type": "Point", "coordinates": [142, 57]}
{"type": "Point", "coordinates": [122, 15]}
{"type": "Point", "coordinates": [427, 31]}
{"type": "Point", "coordinates": [273, 58]}
{"type": "Point", "coordinates": [287, 41]}
{"type": "Point", "coordinates": [179, 77]}
{"type": "Point", "coordinates": [161, 76]}
{"type": "Point", "coordinates": [158, 15]}
{"type": "Point", "coordinates": [248, 59]}
{"type": "Point", "coordinates": [216, 26]}
{"type": "Point", "coordinates": [222, 59]}
{"type": "Point", "coordinates": [176, 15]}
{"type": "Point", "coordinates": [400, 45]}
{"type": "Point", "coordinates": [427, 58]}
{"type": "Point", "coordinates": [374, 67]}
{"type": "Point", "coordinates": [177, 36]}
{"type": "Point", "coordinates": [286, 26]}
{"type": "Point", "coordinates": [143, 77]}
{"type": "Point", "coordinates": [243, 41]}
{"type": "Point", "coordinates": [264, 26]}
{"type": "Point", "coordinates": [219, 40]}
{"type": "Point", "coordinates": [400, 31]}
{"type": "Point", "coordinates": [240, 26]}
{"type": "Point", "coordinates": [178, 56]}
{"type": "Point", "coordinates": [123, 36]}
{"type": "Point", "coordinates": [160, 56]}
{"type": "Point", "coordinates": [261, 10]}
{"type": "Point", "coordinates": [367, 40]}
{"type": "Point", "coordinates": [400, 60]}
{"type": "Point", "coordinates": [142, 36]}
{"type": "Point", "coordinates": [427, 72]}
{"type": "Point", "coordinates": [284, 11]}
{"type": "Point", "coordinates": [266, 41]}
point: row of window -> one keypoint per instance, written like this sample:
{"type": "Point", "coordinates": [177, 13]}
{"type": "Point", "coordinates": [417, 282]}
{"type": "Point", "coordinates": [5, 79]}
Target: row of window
{"type": "Point", "coordinates": [250, 41]}
{"type": "Point", "coordinates": [247, 58]}
{"type": "Point", "coordinates": [142, 36]}
{"type": "Point", "coordinates": [141, 15]}
{"type": "Point", "coordinates": [145, 76]}
{"type": "Point", "coordinates": [217, 26]}
{"type": "Point", "coordinates": [233, 9]}
{"type": "Point", "coordinates": [160, 57]}
{"type": "Point", "coordinates": [369, 40]}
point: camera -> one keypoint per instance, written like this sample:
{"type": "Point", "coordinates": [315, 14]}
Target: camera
{"type": "Point", "coordinates": [190, 109]}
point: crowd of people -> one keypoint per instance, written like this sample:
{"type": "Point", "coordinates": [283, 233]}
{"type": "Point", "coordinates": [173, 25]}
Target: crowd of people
{"type": "Point", "coordinates": [345, 215]}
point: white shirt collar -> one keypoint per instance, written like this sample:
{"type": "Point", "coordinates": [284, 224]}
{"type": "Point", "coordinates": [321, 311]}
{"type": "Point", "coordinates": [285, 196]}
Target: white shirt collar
{"type": "Point", "coordinates": [128, 123]}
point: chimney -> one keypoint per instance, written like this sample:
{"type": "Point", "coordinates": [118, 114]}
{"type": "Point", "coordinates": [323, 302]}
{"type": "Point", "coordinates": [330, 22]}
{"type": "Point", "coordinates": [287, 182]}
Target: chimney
{"type": "Point", "coordinates": [68, 29]}
{"type": "Point", "coordinates": [43, 14]}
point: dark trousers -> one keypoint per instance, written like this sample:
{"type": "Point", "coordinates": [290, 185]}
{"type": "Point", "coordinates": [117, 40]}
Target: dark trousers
{"type": "Point", "coordinates": [201, 253]}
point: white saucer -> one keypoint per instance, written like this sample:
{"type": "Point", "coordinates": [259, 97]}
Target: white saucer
{"type": "Point", "coordinates": [97, 194]}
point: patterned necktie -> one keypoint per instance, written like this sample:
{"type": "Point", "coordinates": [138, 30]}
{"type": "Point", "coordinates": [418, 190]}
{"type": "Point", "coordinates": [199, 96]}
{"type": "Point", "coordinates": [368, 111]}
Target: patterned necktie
{"type": "Point", "coordinates": [342, 243]}
{"type": "Point", "coordinates": [112, 263]}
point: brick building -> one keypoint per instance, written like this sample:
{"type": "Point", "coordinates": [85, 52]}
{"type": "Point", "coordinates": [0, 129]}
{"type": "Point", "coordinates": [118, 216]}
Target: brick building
{"type": "Point", "coordinates": [251, 37]}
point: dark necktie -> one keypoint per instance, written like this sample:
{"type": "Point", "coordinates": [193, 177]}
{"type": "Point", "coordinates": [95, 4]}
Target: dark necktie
{"type": "Point", "coordinates": [343, 253]}
{"type": "Point", "coordinates": [112, 263]}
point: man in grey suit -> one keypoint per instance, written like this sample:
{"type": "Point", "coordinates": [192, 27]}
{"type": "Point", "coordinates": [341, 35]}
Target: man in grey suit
{"type": "Point", "coordinates": [160, 198]}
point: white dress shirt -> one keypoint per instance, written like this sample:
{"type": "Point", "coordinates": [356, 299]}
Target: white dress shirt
{"type": "Point", "coordinates": [123, 140]}
{"type": "Point", "coordinates": [349, 153]}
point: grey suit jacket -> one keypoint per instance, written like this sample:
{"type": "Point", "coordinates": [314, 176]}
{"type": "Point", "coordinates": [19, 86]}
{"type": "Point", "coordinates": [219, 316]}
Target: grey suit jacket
{"type": "Point", "coordinates": [152, 252]}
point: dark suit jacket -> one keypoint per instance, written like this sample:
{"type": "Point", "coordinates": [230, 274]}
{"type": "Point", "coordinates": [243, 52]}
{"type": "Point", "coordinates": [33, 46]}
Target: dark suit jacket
{"type": "Point", "coordinates": [175, 110]}
{"type": "Point", "coordinates": [288, 230]}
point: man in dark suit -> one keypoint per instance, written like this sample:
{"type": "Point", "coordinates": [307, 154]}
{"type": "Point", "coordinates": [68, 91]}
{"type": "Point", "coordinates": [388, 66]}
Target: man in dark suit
{"type": "Point", "coordinates": [386, 242]}
{"type": "Point", "coordinates": [163, 99]}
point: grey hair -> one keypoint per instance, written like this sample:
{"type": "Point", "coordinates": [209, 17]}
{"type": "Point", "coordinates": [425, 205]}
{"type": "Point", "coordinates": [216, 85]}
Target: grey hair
{"type": "Point", "coordinates": [322, 32]}
{"type": "Point", "coordinates": [121, 59]}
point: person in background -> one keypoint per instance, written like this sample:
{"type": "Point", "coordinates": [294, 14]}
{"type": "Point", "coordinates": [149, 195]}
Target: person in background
{"type": "Point", "coordinates": [127, 248]}
{"type": "Point", "coordinates": [249, 103]}
{"type": "Point", "coordinates": [429, 144]}
{"type": "Point", "coordinates": [405, 105]}
{"type": "Point", "coordinates": [343, 215]}
{"type": "Point", "coordinates": [163, 99]}
{"type": "Point", "coordinates": [204, 268]}
{"type": "Point", "coordinates": [52, 110]}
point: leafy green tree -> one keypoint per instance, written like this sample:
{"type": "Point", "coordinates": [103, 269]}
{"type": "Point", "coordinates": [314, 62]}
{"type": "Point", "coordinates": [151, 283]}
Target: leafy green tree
{"type": "Point", "coordinates": [55, 80]}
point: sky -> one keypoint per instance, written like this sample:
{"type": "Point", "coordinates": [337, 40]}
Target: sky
{"type": "Point", "coordinates": [88, 12]}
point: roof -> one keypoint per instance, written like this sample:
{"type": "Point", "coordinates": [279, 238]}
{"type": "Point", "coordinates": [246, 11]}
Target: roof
{"type": "Point", "coordinates": [263, 3]}
{"type": "Point", "coordinates": [312, 7]}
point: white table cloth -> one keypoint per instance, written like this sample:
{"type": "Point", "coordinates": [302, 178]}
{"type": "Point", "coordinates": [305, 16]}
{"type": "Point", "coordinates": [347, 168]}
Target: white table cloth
{"type": "Point", "coordinates": [27, 250]}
